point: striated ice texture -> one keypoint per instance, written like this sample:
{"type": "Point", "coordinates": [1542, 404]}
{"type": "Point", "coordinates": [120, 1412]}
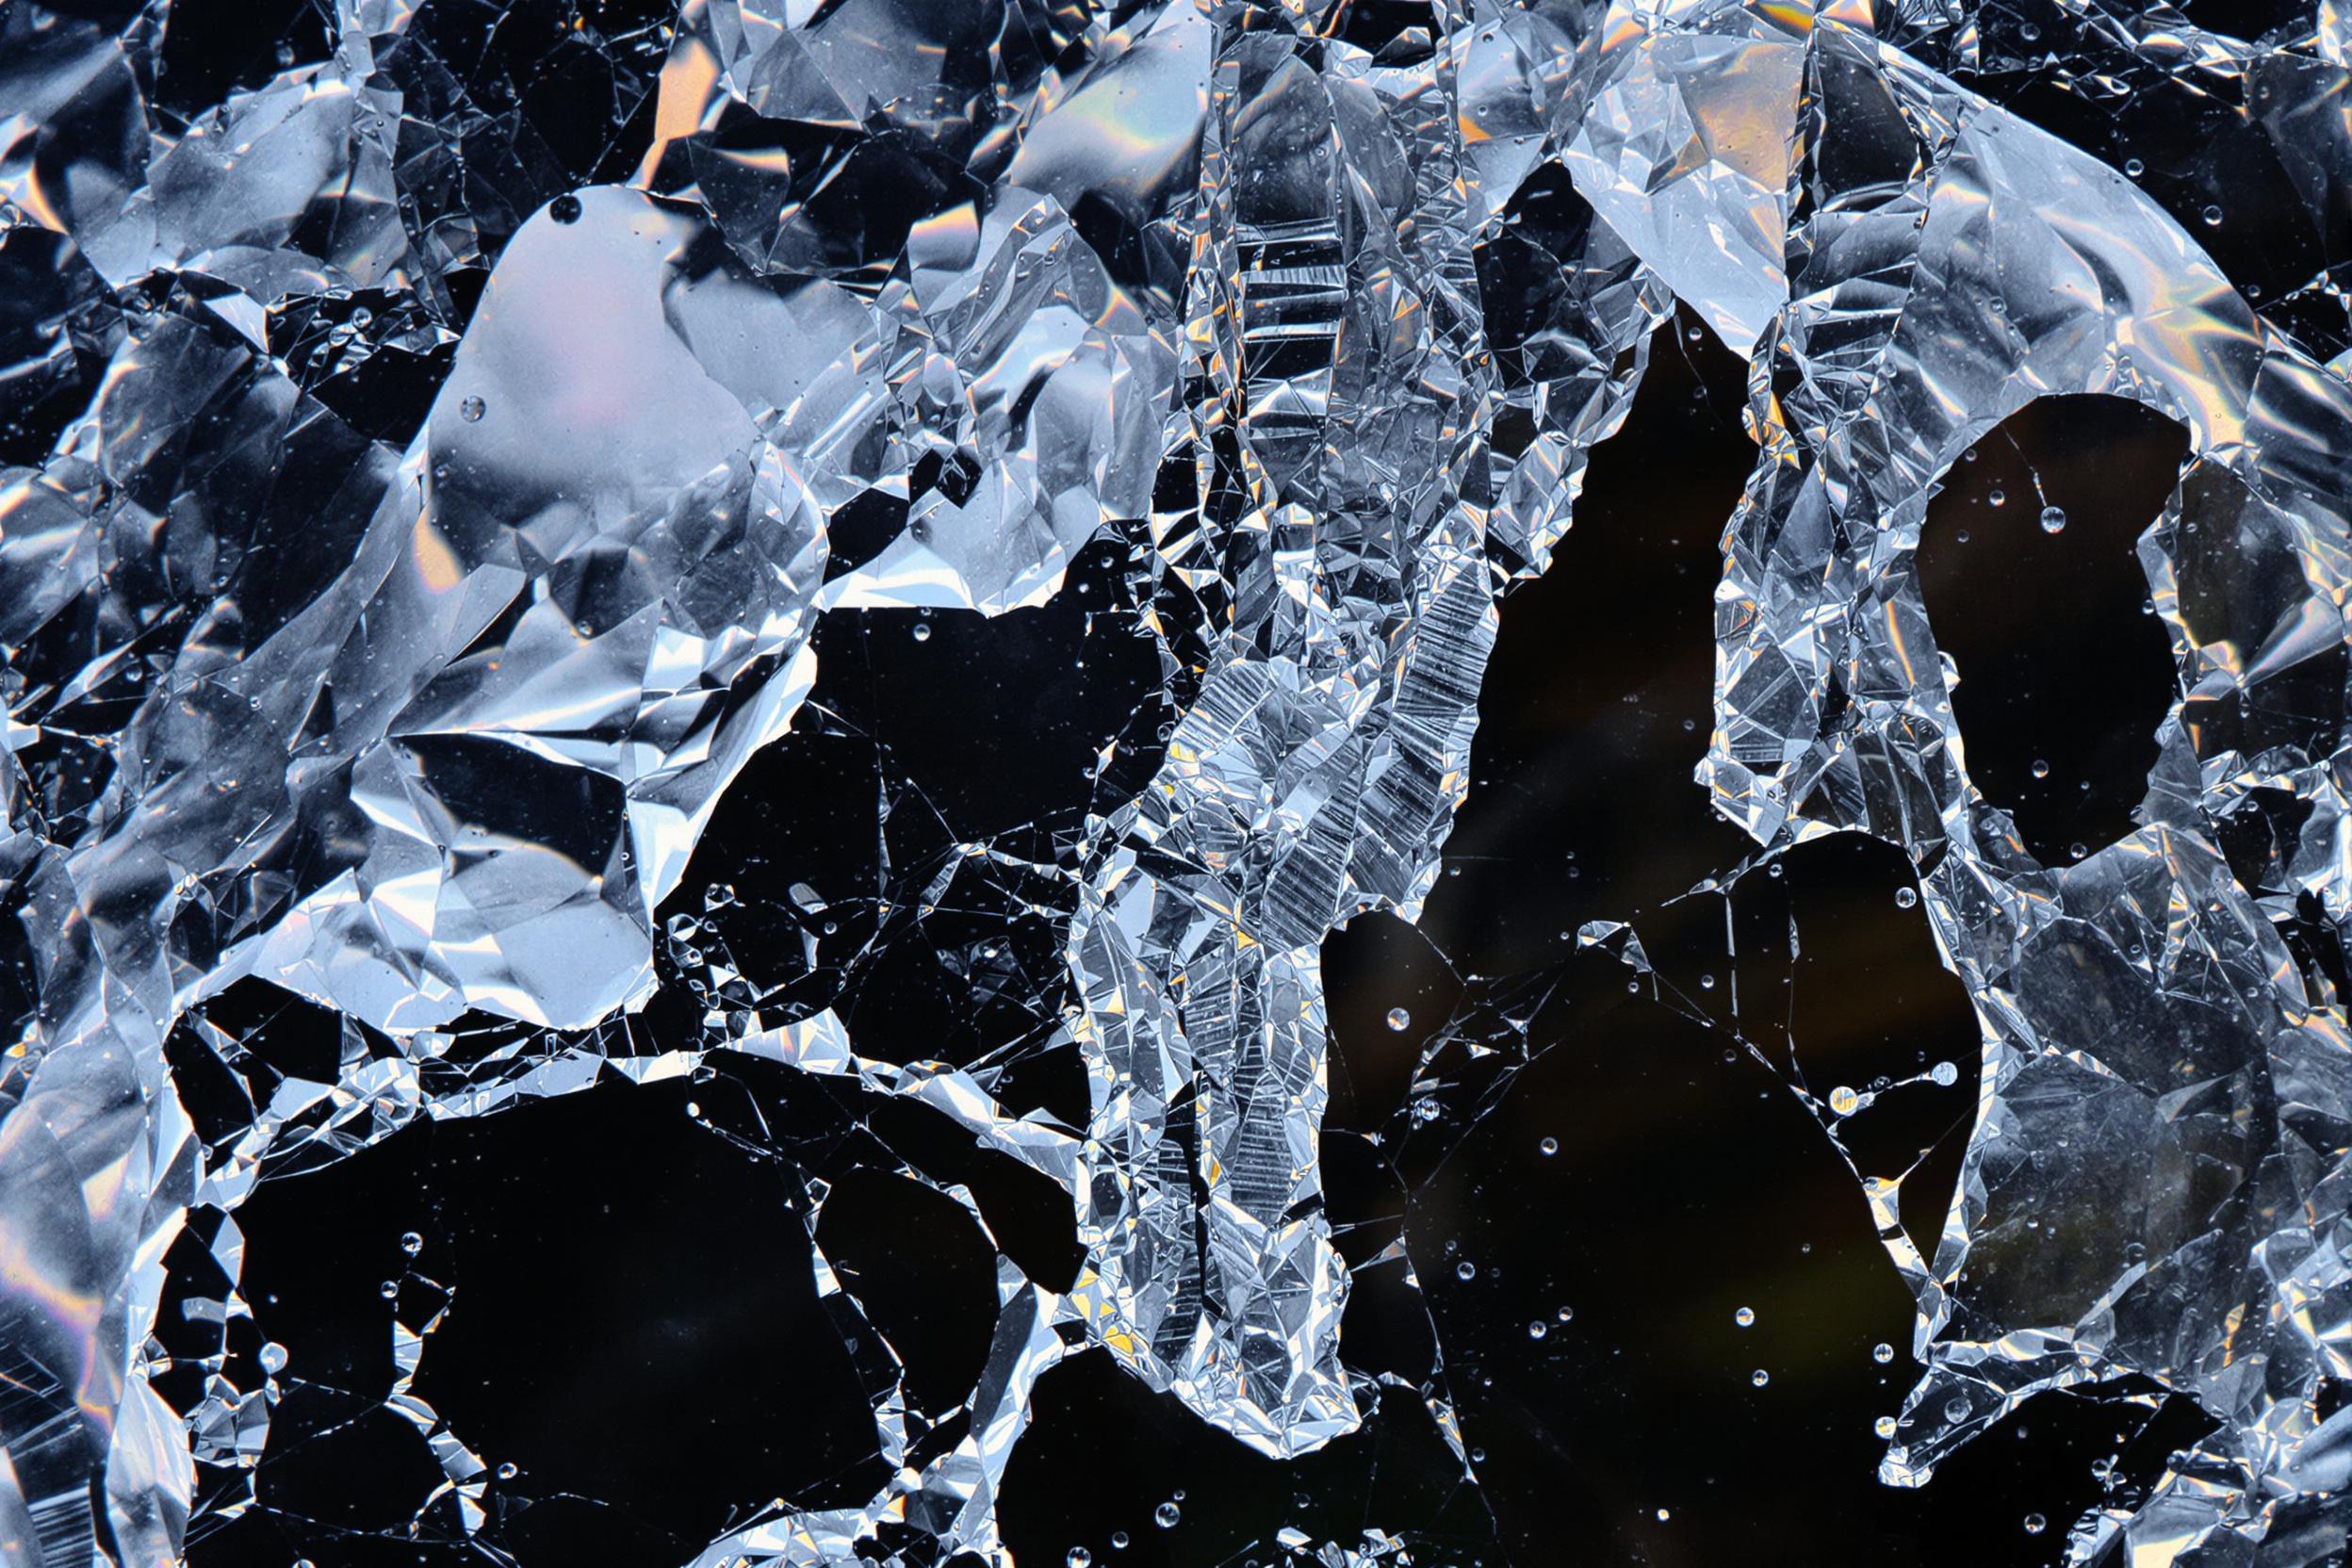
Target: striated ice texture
{"type": "Point", "coordinates": [416, 702]}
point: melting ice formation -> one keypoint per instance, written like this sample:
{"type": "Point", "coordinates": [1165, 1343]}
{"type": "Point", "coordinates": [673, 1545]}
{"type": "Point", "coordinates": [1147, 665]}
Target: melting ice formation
{"type": "Point", "coordinates": [887, 303]}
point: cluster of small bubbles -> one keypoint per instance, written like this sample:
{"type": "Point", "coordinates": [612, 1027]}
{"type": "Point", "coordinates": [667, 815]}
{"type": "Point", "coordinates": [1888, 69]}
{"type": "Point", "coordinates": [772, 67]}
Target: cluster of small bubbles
{"type": "Point", "coordinates": [923, 631]}
{"type": "Point", "coordinates": [1538, 1329]}
{"type": "Point", "coordinates": [1400, 1019]}
{"type": "Point", "coordinates": [1998, 497]}
{"type": "Point", "coordinates": [1166, 1515]}
{"type": "Point", "coordinates": [1745, 1317]}
{"type": "Point", "coordinates": [1906, 898]}
{"type": "Point", "coordinates": [1548, 1147]}
{"type": "Point", "coordinates": [471, 409]}
{"type": "Point", "coordinates": [1079, 1557]}
{"type": "Point", "coordinates": [1759, 1377]}
{"type": "Point", "coordinates": [1843, 1101]}
{"type": "Point", "coordinates": [2041, 768]}
{"type": "Point", "coordinates": [2035, 1523]}
{"type": "Point", "coordinates": [1945, 1073]}
{"type": "Point", "coordinates": [412, 1243]}
{"type": "Point", "coordinates": [2053, 519]}
{"type": "Point", "coordinates": [1466, 1269]}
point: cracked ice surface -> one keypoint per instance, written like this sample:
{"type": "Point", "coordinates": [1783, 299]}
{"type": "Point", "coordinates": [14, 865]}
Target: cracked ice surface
{"type": "Point", "coordinates": [417, 705]}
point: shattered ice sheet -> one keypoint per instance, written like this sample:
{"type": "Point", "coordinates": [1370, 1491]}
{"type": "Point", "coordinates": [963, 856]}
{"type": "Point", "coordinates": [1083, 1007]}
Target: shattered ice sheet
{"type": "Point", "coordinates": [435, 445]}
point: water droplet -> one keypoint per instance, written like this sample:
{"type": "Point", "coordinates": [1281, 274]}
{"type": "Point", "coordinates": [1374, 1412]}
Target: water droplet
{"type": "Point", "coordinates": [1548, 1147]}
{"type": "Point", "coordinates": [1466, 1269]}
{"type": "Point", "coordinates": [1538, 1329]}
{"type": "Point", "coordinates": [1400, 1019]}
{"type": "Point", "coordinates": [412, 1243]}
{"type": "Point", "coordinates": [694, 1109]}
{"type": "Point", "coordinates": [1707, 982]}
{"type": "Point", "coordinates": [1759, 1377]}
{"type": "Point", "coordinates": [274, 1357]}
{"type": "Point", "coordinates": [2053, 519]}
{"type": "Point", "coordinates": [508, 1471]}
{"type": "Point", "coordinates": [1998, 497]}
{"type": "Point", "coordinates": [564, 209]}
{"type": "Point", "coordinates": [1944, 1074]}
{"type": "Point", "coordinates": [923, 631]}
{"type": "Point", "coordinates": [471, 409]}
{"type": "Point", "coordinates": [1956, 1409]}
{"type": "Point", "coordinates": [1166, 1515]}
{"type": "Point", "coordinates": [1745, 1317]}
{"type": "Point", "coordinates": [2077, 851]}
{"type": "Point", "coordinates": [1119, 1541]}
{"type": "Point", "coordinates": [2041, 769]}
{"type": "Point", "coordinates": [2211, 215]}
{"type": "Point", "coordinates": [2134, 168]}
{"type": "Point", "coordinates": [1882, 1353]}
{"type": "Point", "coordinates": [1843, 1101]}
{"type": "Point", "coordinates": [1565, 1314]}
{"type": "Point", "coordinates": [389, 1290]}
{"type": "Point", "coordinates": [1884, 1426]}
{"type": "Point", "coordinates": [1079, 1557]}
{"type": "Point", "coordinates": [2035, 1523]}
{"type": "Point", "coordinates": [1664, 1514]}
{"type": "Point", "coordinates": [1906, 898]}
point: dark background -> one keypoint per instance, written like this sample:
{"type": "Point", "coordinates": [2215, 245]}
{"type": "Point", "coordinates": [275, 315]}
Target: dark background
{"type": "Point", "coordinates": [632, 1325]}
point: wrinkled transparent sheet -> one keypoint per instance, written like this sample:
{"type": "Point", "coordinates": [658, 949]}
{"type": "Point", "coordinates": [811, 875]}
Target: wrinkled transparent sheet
{"type": "Point", "coordinates": [423, 725]}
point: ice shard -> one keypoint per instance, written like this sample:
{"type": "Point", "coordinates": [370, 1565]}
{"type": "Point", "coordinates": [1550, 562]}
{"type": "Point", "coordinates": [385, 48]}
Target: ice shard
{"type": "Point", "coordinates": [441, 438]}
